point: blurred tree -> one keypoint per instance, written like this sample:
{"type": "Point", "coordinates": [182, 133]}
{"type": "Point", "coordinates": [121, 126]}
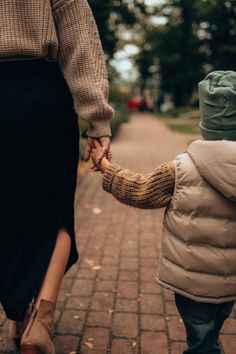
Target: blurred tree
{"type": "Point", "coordinates": [176, 46]}
{"type": "Point", "coordinates": [113, 17]}
{"type": "Point", "coordinates": [198, 36]}
{"type": "Point", "coordinates": [218, 22]}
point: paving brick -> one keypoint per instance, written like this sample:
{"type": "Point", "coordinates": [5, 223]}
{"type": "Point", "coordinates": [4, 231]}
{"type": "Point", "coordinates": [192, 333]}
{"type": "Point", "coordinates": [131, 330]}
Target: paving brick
{"type": "Point", "coordinates": [89, 262]}
{"type": "Point", "coordinates": [57, 316]}
{"type": "Point", "coordinates": [111, 251]}
{"type": "Point", "coordinates": [149, 262]}
{"type": "Point", "coordinates": [131, 252]}
{"type": "Point", "coordinates": [77, 303]}
{"type": "Point", "coordinates": [66, 284]}
{"type": "Point", "coordinates": [123, 346]}
{"type": "Point", "coordinates": [66, 344]}
{"type": "Point", "coordinates": [152, 323]}
{"type": "Point", "coordinates": [152, 304]}
{"type": "Point", "coordinates": [128, 275]}
{"type": "Point", "coordinates": [127, 289]}
{"type": "Point", "coordinates": [129, 263]}
{"type": "Point", "coordinates": [178, 347]}
{"type": "Point", "coordinates": [171, 308]}
{"type": "Point", "coordinates": [126, 305]}
{"type": "Point", "coordinates": [150, 288]}
{"type": "Point", "coordinates": [125, 325]}
{"type": "Point", "coordinates": [176, 328]}
{"type": "Point", "coordinates": [72, 272]}
{"type": "Point", "coordinates": [93, 250]}
{"type": "Point", "coordinates": [102, 301]}
{"type": "Point", "coordinates": [82, 287]}
{"type": "Point", "coordinates": [2, 317]}
{"type": "Point", "coordinates": [101, 319]}
{"type": "Point", "coordinates": [153, 343]}
{"type": "Point", "coordinates": [148, 252]}
{"type": "Point", "coordinates": [229, 326]}
{"type": "Point", "coordinates": [110, 260]}
{"type": "Point", "coordinates": [97, 338]}
{"type": "Point", "coordinates": [148, 274]}
{"type": "Point", "coordinates": [86, 274]}
{"type": "Point", "coordinates": [71, 322]}
{"type": "Point", "coordinates": [168, 295]}
{"type": "Point", "coordinates": [228, 343]}
{"type": "Point", "coordinates": [6, 344]}
{"type": "Point", "coordinates": [108, 273]}
{"type": "Point", "coordinates": [106, 285]}
{"type": "Point", "coordinates": [63, 296]}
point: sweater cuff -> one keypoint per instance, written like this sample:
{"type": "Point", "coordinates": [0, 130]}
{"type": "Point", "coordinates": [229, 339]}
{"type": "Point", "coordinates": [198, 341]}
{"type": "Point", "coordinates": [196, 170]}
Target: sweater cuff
{"type": "Point", "coordinates": [99, 128]}
{"type": "Point", "coordinates": [108, 177]}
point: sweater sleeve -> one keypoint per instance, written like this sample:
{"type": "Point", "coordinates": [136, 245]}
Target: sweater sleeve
{"type": "Point", "coordinates": [151, 191]}
{"type": "Point", "coordinates": [82, 63]}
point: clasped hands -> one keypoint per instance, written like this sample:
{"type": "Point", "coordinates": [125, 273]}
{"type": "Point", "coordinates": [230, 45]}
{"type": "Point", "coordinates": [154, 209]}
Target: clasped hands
{"type": "Point", "coordinates": [100, 152]}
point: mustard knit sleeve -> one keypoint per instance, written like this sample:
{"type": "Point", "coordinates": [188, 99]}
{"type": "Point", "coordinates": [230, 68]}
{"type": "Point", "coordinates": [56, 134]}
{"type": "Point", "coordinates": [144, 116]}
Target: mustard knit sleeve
{"type": "Point", "coordinates": [151, 191]}
{"type": "Point", "coordinates": [82, 63]}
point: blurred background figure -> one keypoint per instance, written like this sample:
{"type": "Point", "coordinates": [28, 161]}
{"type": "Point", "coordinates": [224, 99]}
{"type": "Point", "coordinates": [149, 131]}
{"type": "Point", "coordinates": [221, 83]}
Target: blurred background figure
{"type": "Point", "coordinates": [167, 104]}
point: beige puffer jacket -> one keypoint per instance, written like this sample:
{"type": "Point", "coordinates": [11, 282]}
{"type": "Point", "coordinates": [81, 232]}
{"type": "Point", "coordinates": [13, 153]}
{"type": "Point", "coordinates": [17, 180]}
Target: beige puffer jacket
{"type": "Point", "coordinates": [198, 257]}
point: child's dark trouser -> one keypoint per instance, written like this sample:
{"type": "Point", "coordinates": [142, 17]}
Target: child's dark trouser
{"type": "Point", "coordinates": [203, 323]}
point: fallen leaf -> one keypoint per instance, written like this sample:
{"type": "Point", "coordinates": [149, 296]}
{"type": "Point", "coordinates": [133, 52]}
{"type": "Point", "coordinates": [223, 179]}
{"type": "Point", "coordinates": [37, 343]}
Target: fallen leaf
{"type": "Point", "coordinates": [97, 211]}
{"type": "Point", "coordinates": [90, 345]}
{"type": "Point", "coordinates": [96, 267]}
{"type": "Point", "coordinates": [90, 262]}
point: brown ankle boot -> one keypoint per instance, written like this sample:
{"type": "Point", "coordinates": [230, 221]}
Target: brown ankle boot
{"type": "Point", "coordinates": [37, 338]}
{"type": "Point", "coordinates": [17, 328]}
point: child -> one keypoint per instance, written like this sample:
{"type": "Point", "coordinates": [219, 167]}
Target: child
{"type": "Point", "coordinates": [198, 254]}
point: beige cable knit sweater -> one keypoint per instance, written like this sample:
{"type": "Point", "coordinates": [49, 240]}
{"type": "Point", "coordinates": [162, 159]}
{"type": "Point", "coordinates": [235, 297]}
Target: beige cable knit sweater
{"type": "Point", "coordinates": [63, 31]}
{"type": "Point", "coordinates": [150, 191]}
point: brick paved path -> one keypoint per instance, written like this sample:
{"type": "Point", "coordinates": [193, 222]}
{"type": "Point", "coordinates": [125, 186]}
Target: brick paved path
{"type": "Point", "coordinates": [110, 302]}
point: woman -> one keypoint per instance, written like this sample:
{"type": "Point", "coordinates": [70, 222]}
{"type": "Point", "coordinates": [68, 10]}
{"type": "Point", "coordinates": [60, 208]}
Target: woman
{"type": "Point", "coordinates": [50, 53]}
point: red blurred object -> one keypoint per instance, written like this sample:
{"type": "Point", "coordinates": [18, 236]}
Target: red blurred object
{"type": "Point", "coordinates": [134, 103]}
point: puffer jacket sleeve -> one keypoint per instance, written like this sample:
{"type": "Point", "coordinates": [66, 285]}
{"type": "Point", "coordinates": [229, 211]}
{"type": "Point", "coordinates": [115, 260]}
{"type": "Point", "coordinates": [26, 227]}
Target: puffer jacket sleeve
{"type": "Point", "coordinates": [82, 63]}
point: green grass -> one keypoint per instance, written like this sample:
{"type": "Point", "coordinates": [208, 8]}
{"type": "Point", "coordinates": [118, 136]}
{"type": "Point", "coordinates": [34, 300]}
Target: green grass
{"type": "Point", "coordinates": [185, 128]}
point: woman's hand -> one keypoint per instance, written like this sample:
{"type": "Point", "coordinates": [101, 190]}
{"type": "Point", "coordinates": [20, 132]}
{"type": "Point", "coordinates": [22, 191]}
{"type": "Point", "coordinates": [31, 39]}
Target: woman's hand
{"type": "Point", "coordinates": [104, 150]}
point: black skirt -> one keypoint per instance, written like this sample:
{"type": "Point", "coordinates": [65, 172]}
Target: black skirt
{"type": "Point", "coordinates": [39, 153]}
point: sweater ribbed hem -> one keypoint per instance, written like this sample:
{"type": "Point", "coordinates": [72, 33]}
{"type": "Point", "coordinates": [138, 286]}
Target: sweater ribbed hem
{"type": "Point", "coordinates": [99, 128]}
{"type": "Point", "coordinates": [108, 177]}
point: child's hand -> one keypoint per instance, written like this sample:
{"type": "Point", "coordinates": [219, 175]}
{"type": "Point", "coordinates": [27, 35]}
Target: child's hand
{"type": "Point", "coordinates": [104, 164]}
